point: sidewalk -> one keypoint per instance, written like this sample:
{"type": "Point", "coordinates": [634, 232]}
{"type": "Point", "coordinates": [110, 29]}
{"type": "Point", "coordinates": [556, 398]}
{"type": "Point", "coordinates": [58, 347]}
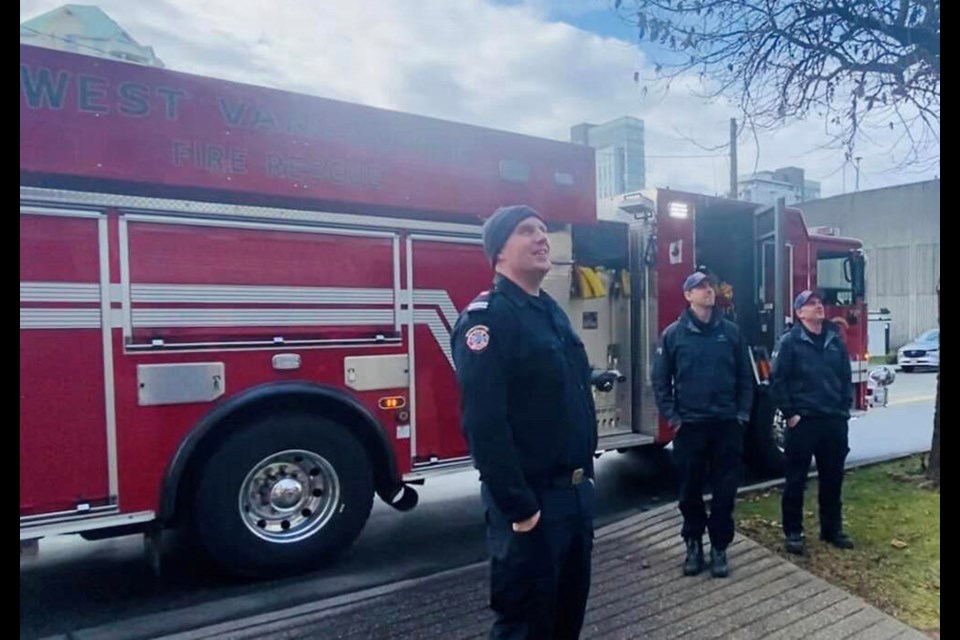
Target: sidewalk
{"type": "Point", "coordinates": [638, 591]}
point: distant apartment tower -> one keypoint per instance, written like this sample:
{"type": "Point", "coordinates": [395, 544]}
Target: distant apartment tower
{"type": "Point", "coordinates": [86, 30]}
{"type": "Point", "coordinates": [764, 187]}
{"type": "Point", "coordinates": [621, 167]}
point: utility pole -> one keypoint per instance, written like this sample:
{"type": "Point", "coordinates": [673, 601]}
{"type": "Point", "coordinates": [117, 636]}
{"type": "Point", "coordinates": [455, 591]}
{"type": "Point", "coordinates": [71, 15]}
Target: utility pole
{"type": "Point", "coordinates": [858, 159]}
{"type": "Point", "coordinates": [733, 158]}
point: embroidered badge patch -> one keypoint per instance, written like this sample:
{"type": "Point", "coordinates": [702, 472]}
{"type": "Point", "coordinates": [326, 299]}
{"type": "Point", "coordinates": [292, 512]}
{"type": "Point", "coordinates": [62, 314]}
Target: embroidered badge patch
{"type": "Point", "coordinates": [478, 338]}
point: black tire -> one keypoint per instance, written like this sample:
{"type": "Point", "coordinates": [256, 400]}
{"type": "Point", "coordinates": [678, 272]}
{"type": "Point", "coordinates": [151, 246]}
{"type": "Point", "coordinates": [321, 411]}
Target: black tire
{"type": "Point", "coordinates": [282, 495]}
{"type": "Point", "coordinates": [763, 448]}
{"type": "Point", "coordinates": [907, 369]}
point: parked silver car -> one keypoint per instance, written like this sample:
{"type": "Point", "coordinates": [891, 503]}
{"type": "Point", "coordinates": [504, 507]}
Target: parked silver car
{"type": "Point", "coordinates": [923, 351]}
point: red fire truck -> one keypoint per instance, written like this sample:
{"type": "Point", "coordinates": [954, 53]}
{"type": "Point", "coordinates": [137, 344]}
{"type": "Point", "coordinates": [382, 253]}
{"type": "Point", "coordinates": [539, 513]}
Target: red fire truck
{"type": "Point", "coordinates": [236, 303]}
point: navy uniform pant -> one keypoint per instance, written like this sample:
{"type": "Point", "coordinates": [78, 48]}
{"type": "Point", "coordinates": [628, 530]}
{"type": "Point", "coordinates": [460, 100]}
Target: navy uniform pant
{"type": "Point", "coordinates": [827, 440]}
{"type": "Point", "coordinates": [539, 580]}
{"type": "Point", "coordinates": [711, 450]}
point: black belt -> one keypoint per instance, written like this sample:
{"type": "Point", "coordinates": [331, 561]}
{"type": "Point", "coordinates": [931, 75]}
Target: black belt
{"type": "Point", "coordinates": [560, 480]}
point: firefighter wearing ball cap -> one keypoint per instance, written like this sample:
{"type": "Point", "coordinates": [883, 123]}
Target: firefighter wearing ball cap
{"type": "Point", "coordinates": [812, 385]}
{"type": "Point", "coordinates": [703, 383]}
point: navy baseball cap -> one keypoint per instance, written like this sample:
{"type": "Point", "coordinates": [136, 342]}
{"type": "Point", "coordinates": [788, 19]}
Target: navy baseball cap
{"type": "Point", "coordinates": [693, 280]}
{"type": "Point", "coordinates": [805, 297]}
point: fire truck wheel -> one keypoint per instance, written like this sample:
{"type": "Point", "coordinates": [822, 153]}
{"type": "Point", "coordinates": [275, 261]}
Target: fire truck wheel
{"type": "Point", "coordinates": [283, 495]}
{"type": "Point", "coordinates": [764, 439]}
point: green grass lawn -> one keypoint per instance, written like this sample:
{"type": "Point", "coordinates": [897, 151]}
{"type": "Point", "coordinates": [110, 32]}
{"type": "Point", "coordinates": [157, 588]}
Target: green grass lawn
{"type": "Point", "coordinates": [894, 519]}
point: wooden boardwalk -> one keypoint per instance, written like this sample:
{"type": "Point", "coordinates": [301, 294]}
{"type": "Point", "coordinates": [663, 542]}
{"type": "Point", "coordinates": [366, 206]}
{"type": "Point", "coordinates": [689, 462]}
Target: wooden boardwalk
{"type": "Point", "coordinates": [637, 592]}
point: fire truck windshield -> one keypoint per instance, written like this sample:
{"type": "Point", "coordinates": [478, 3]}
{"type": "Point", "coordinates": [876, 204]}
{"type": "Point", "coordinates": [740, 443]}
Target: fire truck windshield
{"type": "Point", "coordinates": [835, 278]}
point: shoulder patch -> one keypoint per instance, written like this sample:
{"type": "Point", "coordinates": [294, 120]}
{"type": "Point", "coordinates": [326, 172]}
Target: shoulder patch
{"type": "Point", "coordinates": [478, 338]}
{"type": "Point", "coordinates": [477, 305]}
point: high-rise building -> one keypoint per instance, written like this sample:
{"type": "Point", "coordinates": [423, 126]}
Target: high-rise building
{"type": "Point", "coordinates": [621, 166]}
{"type": "Point", "coordinates": [86, 30]}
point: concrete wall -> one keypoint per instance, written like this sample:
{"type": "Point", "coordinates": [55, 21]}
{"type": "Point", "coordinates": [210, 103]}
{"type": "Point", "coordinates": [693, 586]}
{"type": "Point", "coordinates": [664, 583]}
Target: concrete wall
{"type": "Point", "coordinates": [900, 230]}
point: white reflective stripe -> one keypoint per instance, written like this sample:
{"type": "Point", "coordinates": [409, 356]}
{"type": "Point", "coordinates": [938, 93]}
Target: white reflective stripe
{"type": "Point", "coordinates": [238, 294]}
{"type": "Point", "coordinates": [59, 292]}
{"type": "Point", "coordinates": [162, 318]}
{"type": "Point", "coordinates": [437, 322]}
{"type": "Point", "coordinates": [440, 298]}
{"type": "Point", "coordinates": [243, 294]}
{"type": "Point", "coordinates": [60, 318]}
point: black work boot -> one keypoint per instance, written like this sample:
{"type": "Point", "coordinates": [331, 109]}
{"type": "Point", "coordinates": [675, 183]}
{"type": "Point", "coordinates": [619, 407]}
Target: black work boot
{"type": "Point", "coordinates": [719, 568]}
{"type": "Point", "coordinates": [839, 540]}
{"type": "Point", "coordinates": [795, 544]}
{"type": "Point", "coordinates": [694, 562]}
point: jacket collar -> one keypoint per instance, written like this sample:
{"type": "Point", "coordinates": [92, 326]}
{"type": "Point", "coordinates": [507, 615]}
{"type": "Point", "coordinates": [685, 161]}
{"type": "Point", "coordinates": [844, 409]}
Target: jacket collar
{"type": "Point", "coordinates": [687, 320]}
{"type": "Point", "coordinates": [830, 333]}
{"type": "Point", "coordinates": [512, 292]}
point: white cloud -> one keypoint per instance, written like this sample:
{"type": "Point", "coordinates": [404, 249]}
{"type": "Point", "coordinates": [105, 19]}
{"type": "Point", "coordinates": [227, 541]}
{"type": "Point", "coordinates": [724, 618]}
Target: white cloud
{"type": "Point", "coordinates": [497, 65]}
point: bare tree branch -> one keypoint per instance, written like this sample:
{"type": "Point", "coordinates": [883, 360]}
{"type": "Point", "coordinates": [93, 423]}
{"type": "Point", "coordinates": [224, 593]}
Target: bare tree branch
{"type": "Point", "coordinates": [849, 61]}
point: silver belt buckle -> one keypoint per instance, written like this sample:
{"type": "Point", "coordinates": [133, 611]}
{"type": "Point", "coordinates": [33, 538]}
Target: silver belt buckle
{"type": "Point", "coordinates": [577, 477]}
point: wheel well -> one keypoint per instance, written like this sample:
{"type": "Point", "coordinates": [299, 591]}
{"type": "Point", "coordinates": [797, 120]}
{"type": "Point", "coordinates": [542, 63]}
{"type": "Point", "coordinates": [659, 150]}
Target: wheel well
{"type": "Point", "coordinates": [324, 402]}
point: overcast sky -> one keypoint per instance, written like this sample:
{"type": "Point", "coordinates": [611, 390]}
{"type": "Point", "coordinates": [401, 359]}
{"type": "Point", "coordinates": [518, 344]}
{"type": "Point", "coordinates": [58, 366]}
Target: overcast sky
{"type": "Point", "coordinates": [530, 66]}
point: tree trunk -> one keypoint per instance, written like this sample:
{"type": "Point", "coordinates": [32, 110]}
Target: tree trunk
{"type": "Point", "coordinates": [933, 465]}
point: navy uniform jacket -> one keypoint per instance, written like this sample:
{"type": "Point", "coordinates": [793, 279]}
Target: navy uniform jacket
{"type": "Point", "coordinates": [812, 380]}
{"type": "Point", "coordinates": [702, 372]}
{"type": "Point", "coordinates": [526, 402]}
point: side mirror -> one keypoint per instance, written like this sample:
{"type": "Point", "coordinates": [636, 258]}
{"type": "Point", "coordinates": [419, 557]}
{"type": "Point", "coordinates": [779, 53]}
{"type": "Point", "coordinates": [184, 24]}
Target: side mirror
{"type": "Point", "coordinates": [857, 274]}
